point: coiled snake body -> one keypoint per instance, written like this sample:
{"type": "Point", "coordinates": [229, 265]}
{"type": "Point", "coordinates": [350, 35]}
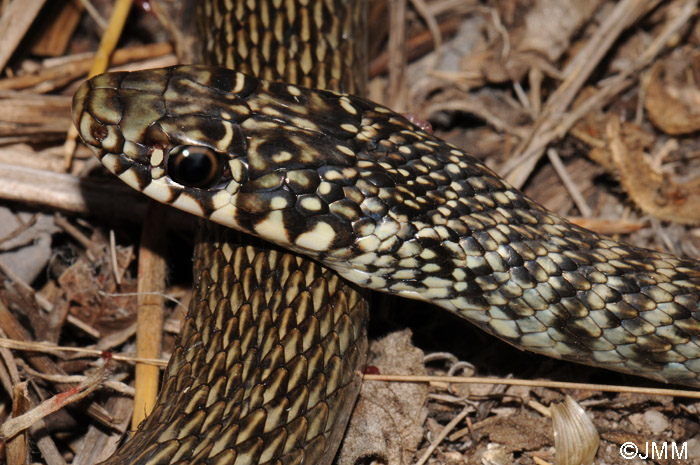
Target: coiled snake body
{"type": "Point", "coordinates": [364, 192]}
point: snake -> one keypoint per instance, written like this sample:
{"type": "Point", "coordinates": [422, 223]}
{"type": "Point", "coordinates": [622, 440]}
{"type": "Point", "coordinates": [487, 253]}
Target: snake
{"type": "Point", "coordinates": [308, 195]}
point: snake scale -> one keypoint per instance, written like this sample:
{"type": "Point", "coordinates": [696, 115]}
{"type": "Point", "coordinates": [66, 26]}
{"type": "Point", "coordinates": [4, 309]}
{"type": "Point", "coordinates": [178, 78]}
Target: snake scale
{"type": "Point", "coordinates": [264, 370]}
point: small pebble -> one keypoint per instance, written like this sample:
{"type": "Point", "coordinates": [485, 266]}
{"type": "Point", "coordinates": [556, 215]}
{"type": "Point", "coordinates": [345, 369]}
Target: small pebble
{"type": "Point", "coordinates": [656, 421]}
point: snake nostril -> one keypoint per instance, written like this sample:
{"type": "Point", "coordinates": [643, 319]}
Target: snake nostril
{"type": "Point", "coordinates": [195, 166]}
{"type": "Point", "coordinates": [99, 132]}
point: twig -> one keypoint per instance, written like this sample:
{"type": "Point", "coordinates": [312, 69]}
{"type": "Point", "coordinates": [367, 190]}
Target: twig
{"type": "Point", "coordinates": [65, 192]}
{"type": "Point", "coordinates": [94, 14]}
{"type": "Point", "coordinates": [443, 434]}
{"type": "Point", "coordinates": [397, 55]}
{"type": "Point", "coordinates": [15, 425]}
{"type": "Point", "coordinates": [423, 10]}
{"type": "Point", "coordinates": [570, 185]}
{"type": "Point", "coordinates": [48, 348]}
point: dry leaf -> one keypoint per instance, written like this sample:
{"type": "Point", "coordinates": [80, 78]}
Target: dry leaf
{"type": "Point", "coordinates": [673, 92]}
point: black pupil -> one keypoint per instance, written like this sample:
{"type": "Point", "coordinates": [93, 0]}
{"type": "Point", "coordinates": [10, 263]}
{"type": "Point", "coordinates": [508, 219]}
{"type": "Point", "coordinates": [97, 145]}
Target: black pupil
{"type": "Point", "coordinates": [194, 166]}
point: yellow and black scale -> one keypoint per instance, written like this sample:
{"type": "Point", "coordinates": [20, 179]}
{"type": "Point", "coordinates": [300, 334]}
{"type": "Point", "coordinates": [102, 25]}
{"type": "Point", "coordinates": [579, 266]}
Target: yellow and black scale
{"type": "Point", "coordinates": [265, 368]}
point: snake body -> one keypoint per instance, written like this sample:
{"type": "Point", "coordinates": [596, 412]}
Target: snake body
{"type": "Point", "coordinates": [264, 369]}
{"type": "Point", "coordinates": [362, 191]}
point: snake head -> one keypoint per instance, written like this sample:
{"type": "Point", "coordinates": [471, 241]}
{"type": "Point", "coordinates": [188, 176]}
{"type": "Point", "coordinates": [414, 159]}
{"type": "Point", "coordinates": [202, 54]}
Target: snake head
{"type": "Point", "coordinates": [266, 158]}
{"type": "Point", "coordinates": [171, 133]}
{"type": "Point", "coordinates": [335, 177]}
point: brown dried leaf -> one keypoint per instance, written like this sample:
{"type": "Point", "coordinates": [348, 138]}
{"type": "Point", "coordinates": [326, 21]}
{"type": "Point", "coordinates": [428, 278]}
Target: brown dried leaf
{"type": "Point", "coordinates": [652, 192]}
{"type": "Point", "coordinates": [673, 92]}
{"type": "Point", "coordinates": [592, 131]}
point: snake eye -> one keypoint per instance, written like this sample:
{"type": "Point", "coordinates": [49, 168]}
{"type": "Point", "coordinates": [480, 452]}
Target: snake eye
{"type": "Point", "coordinates": [195, 166]}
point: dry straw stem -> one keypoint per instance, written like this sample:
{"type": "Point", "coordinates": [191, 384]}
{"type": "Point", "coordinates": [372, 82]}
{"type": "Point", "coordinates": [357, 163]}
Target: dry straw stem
{"type": "Point", "coordinates": [570, 185]}
{"type": "Point", "coordinates": [401, 48]}
{"type": "Point", "coordinates": [576, 74]}
{"type": "Point", "coordinates": [151, 252]}
{"type": "Point", "coordinates": [149, 327]}
{"type": "Point", "coordinates": [535, 383]}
